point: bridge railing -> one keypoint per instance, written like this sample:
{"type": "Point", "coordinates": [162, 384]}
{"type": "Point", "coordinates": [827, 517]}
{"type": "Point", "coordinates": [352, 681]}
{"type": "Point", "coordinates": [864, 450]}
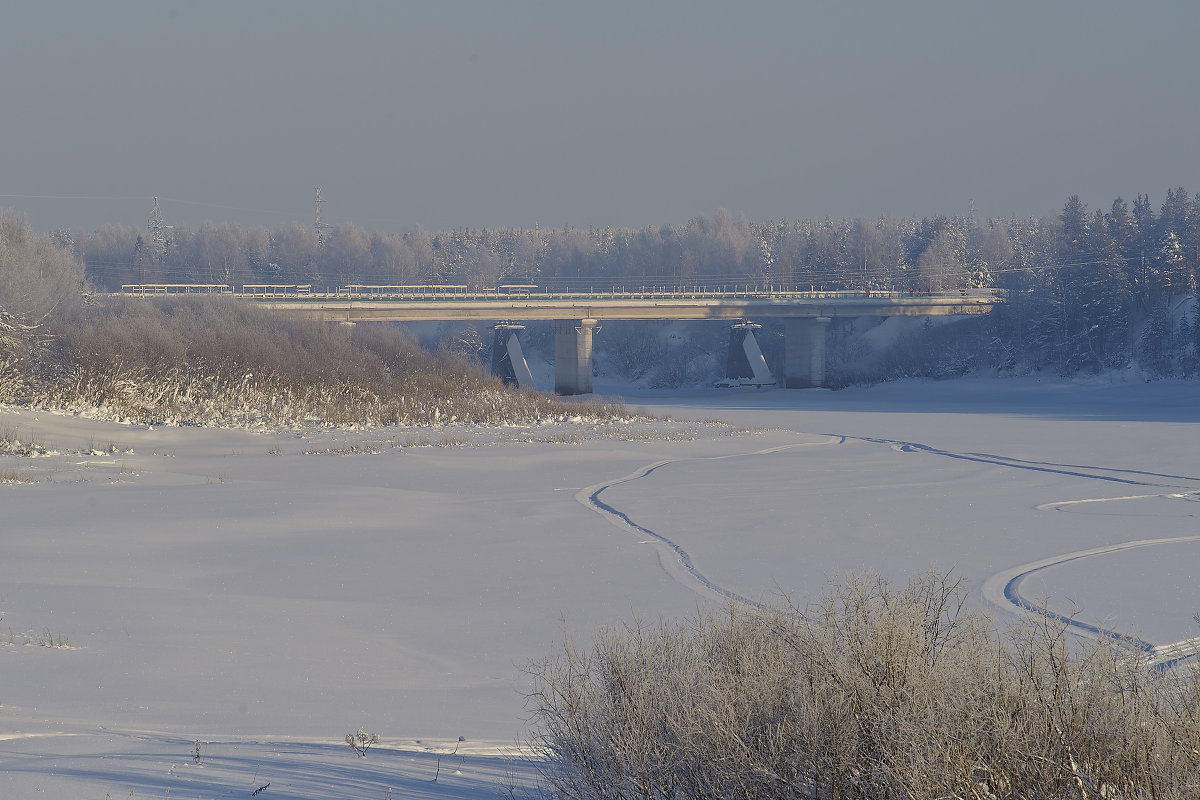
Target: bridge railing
{"type": "Point", "coordinates": [175, 288]}
{"type": "Point", "coordinates": [276, 290]}
{"type": "Point", "coordinates": [402, 291]}
{"type": "Point", "coordinates": [532, 292]}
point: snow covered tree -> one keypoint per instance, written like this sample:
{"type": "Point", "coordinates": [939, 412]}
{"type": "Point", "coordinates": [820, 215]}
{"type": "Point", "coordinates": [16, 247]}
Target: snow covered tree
{"type": "Point", "coordinates": [989, 251]}
{"type": "Point", "coordinates": [1074, 227]}
{"type": "Point", "coordinates": [1122, 228]}
{"type": "Point", "coordinates": [1105, 301]}
{"type": "Point", "coordinates": [942, 266]}
{"type": "Point", "coordinates": [1142, 253]}
{"type": "Point", "coordinates": [40, 277]}
{"type": "Point", "coordinates": [1173, 215]}
{"type": "Point", "coordinates": [346, 257]}
{"type": "Point", "coordinates": [1177, 276]}
{"type": "Point", "coordinates": [37, 273]}
{"type": "Point", "coordinates": [294, 251]}
{"type": "Point", "coordinates": [1196, 335]}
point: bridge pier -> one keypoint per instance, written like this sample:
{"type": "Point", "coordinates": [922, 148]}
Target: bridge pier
{"type": "Point", "coordinates": [508, 360]}
{"type": "Point", "coordinates": [804, 352]}
{"type": "Point", "coordinates": [573, 355]}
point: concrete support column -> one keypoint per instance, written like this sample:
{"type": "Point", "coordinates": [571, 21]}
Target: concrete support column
{"type": "Point", "coordinates": [804, 352]}
{"type": "Point", "coordinates": [573, 356]}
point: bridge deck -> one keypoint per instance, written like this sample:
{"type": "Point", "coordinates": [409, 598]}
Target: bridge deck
{"type": "Point", "coordinates": [632, 305]}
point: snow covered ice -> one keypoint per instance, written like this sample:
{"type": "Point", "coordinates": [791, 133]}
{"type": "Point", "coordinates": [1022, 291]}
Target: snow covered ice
{"type": "Point", "coordinates": [265, 594]}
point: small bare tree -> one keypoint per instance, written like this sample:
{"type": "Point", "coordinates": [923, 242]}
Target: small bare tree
{"type": "Point", "coordinates": [362, 741]}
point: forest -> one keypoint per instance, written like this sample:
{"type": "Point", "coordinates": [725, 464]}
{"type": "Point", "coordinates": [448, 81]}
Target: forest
{"type": "Point", "coordinates": [1089, 289]}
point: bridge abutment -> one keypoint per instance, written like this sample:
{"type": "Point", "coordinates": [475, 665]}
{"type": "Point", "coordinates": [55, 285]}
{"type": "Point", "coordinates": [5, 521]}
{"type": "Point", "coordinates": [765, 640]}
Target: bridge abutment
{"type": "Point", "coordinates": [804, 352]}
{"type": "Point", "coordinates": [573, 355]}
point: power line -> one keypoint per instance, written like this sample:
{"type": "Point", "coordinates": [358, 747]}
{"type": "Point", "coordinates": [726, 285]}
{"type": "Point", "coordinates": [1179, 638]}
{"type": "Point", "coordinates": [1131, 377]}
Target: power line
{"type": "Point", "coordinates": [116, 197]}
{"type": "Point", "coordinates": [70, 197]}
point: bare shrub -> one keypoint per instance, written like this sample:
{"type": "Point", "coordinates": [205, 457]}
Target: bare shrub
{"type": "Point", "coordinates": [362, 741]}
{"type": "Point", "coordinates": [876, 692]}
{"type": "Point", "coordinates": [217, 361]}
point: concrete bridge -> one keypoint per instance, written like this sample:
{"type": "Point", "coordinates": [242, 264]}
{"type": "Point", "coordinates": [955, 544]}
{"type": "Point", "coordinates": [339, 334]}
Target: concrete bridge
{"type": "Point", "coordinates": [576, 315]}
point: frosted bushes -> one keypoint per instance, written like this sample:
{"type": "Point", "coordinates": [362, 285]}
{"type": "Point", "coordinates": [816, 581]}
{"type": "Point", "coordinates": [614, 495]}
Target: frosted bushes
{"type": "Point", "coordinates": [13, 384]}
{"type": "Point", "coordinates": [876, 692]}
{"type": "Point", "coordinates": [214, 361]}
{"type": "Point", "coordinates": [194, 396]}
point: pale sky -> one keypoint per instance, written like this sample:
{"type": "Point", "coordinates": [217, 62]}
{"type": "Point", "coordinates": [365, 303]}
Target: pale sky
{"type": "Point", "coordinates": [608, 113]}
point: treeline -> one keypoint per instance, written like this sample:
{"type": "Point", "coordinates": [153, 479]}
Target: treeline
{"type": "Point", "coordinates": [1103, 289]}
{"type": "Point", "coordinates": [1088, 289]}
{"type": "Point", "coordinates": [941, 252]}
{"type": "Point", "coordinates": [937, 253]}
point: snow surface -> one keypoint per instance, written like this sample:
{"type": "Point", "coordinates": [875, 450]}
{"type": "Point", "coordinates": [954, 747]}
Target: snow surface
{"type": "Point", "coordinates": [264, 594]}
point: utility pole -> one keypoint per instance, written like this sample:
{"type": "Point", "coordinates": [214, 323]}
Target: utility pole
{"type": "Point", "coordinates": [158, 229]}
{"type": "Point", "coordinates": [320, 228]}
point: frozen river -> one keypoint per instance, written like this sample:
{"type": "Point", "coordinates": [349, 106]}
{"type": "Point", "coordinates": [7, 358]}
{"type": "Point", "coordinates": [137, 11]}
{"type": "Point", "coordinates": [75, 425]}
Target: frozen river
{"type": "Point", "coordinates": [268, 593]}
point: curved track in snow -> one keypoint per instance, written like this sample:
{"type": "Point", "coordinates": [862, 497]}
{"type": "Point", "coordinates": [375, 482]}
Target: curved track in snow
{"type": "Point", "coordinates": [1110, 474]}
{"type": "Point", "coordinates": [1005, 588]}
{"type": "Point", "coordinates": [677, 562]}
{"type": "Point", "coordinates": [1002, 589]}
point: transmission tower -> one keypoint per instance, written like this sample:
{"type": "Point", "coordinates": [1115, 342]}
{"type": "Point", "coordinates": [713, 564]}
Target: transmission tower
{"type": "Point", "coordinates": [320, 228]}
{"type": "Point", "coordinates": [158, 229]}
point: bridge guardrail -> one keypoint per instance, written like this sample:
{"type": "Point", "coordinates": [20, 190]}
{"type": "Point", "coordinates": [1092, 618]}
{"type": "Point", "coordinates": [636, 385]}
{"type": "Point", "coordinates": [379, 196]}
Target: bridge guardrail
{"type": "Point", "coordinates": [454, 292]}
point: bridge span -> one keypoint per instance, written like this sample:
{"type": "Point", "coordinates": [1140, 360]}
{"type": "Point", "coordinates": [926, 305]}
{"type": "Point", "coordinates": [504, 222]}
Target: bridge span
{"type": "Point", "coordinates": [806, 317]}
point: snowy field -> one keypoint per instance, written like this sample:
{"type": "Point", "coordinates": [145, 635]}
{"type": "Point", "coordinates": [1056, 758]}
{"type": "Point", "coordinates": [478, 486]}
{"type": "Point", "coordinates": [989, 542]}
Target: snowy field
{"type": "Point", "coordinates": [193, 613]}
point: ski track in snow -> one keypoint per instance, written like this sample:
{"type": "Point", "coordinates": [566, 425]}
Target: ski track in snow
{"type": "Point", "coordinates": [1001, 589]}
{"type": "Point", "coordinates": [1004, 588]}
{"type": "Point", "coordinates": [680, 568]}
{"type": "Point", "coordinates": [1072, 470]}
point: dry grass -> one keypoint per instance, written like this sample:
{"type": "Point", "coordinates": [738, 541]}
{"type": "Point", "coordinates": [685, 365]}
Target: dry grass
{"type": "Point", "coordinates": [15, 476]}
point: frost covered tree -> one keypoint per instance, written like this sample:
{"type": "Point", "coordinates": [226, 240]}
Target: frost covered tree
{"type": "Point", "coordinates": [1177, 275]}
{"type": "Point", "coordinates": [942, 265]}
{"type": "Point", "coordinates": [1142, 253]}
{"type": "Point", "coordinates": [294, 251]}
{"type": "Point", "coordinates": [1074, 227]}
{"type": "Point", "coordinates": [38, 273]}
{"type": "Point", "coordinates": [40, 278]}
{"type": "Point", "coordinates": [347, 257]}
{"type": "Point", "coordinates": [1107, 303]}
{"type": "Point", "coordinates": [989, 251]}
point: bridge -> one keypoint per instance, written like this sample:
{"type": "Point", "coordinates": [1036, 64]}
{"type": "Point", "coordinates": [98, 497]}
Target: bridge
{"type": "Point", "coordinates": [576, 316]}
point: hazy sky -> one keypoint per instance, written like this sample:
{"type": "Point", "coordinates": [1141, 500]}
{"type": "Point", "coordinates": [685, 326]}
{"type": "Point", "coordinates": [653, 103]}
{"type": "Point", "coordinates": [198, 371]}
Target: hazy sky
{"type": "Point", "coordinates": [510, 113]}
